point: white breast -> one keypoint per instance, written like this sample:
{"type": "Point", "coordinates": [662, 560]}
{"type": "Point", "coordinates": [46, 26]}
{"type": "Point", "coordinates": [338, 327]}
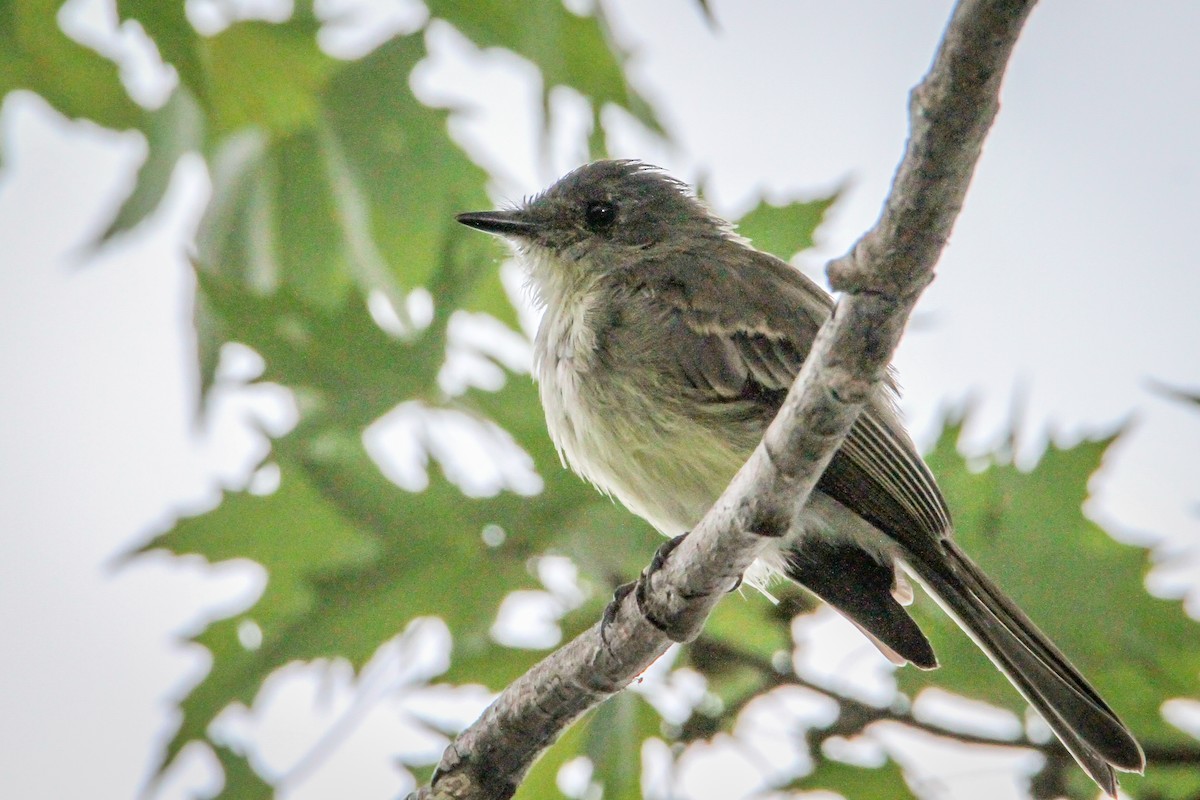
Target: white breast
{"type": "Point", "coordinates": [562, 353]}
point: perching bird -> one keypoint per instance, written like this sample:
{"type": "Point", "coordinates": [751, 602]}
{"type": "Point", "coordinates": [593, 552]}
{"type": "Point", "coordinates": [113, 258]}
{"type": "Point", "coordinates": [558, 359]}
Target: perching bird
{"type": "Point", "coordinates": [667, 346]}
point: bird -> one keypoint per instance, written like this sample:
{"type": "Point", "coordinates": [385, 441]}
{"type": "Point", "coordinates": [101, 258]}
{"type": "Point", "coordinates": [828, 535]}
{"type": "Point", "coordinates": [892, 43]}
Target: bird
{"type": "Point", "coordinates": [667, 344]}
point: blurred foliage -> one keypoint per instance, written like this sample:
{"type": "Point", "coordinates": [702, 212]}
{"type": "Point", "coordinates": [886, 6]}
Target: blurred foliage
{"type": "Point", "coordinates": [36, 55]}
{"type": "Point", "coordinates": [333, 186]}
{"type": "Point", "coordinates": [1083, 589]}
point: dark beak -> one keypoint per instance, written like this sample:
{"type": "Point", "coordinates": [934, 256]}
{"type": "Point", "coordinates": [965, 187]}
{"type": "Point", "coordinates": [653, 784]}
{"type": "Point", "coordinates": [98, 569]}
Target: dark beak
{"type": "Point", "coordinates": [501, 223]}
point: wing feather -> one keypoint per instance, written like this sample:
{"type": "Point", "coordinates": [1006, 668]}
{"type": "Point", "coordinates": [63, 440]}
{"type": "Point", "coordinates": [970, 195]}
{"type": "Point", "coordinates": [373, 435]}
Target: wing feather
{"type": "Point", "coordinates": [752, 345]}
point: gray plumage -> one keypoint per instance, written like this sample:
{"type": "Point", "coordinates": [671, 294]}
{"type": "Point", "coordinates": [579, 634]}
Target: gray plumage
{"type": "Point", "coordinates": [667, 346]}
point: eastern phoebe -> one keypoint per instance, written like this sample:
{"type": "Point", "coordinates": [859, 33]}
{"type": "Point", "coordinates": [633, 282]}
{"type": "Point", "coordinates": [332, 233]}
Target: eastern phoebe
{"type": "Point", "coordinates": [667, 346]}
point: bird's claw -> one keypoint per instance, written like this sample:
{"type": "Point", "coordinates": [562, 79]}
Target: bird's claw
{"type": "Point", "coordinates": [614, 605]}
{"type": "Point", "coordinates": [638, 588]}
{"type": "Point", "coordinates": [656, 563]}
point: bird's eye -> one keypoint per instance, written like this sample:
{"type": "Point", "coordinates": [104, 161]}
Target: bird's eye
{"type": "Point", "coordinates": [600, 215]}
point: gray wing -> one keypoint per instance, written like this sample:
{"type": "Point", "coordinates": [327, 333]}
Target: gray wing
{"type": "Point", "coordinates": [742, 355]}
{"type": "Point", "coordinates": [747, 349]}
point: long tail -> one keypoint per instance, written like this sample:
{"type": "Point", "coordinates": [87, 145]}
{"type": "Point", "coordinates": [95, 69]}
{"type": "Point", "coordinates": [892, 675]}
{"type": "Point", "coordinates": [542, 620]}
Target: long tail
{"type": "Point", "coordinates": [1088, 728]}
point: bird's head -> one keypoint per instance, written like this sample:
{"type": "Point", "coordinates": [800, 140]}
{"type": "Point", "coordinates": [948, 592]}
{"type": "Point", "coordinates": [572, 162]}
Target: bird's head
{"type": "Point", "coordinates": [603, 216]}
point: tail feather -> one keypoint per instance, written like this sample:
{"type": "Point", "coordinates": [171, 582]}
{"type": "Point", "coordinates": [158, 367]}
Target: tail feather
{"type": "Point", "coordinates": [1074, 710]}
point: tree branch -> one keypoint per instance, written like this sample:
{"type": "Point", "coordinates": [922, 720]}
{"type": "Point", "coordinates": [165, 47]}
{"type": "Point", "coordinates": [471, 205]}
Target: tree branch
{"type": "Point", "coordinates": [950, 113]}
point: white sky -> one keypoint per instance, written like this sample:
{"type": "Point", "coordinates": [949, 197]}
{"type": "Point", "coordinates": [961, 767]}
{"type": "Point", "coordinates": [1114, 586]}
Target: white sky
{"type": "Point", "coordinates": [1071, 275]}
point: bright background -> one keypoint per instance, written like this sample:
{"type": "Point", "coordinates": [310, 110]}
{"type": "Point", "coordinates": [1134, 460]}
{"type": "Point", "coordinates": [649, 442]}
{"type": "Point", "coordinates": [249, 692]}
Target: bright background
{"type": "Point", "coordinates": [1070, 286]}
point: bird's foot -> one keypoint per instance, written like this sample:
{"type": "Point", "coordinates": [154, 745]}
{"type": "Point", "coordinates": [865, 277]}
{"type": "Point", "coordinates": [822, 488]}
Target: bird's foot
{"type": "Point", "coordinates": [638, 588]}
{"type": "Point", "coordinates": [614, 605]}
{"type": "Point", "coordinates": [656, 563]}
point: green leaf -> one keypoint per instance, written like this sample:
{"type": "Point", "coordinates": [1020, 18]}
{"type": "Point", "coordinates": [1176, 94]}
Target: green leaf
{"type": "Point", "coordinates": [741, 627]}
{"type": "Point", "coordinates": [179, 44]}
{"type": "Point", "coordinates": [616, 732]}
{"type": "Point", "coordinates": [171, 131]}
{"type": "Point", "coordinates": [570, 50]}
{"type": "Point", "coordinates": [611, 737]}
{"type": "Point", "coordinates": [402, 555]}
{"type": "Point", "coordinates": [77, 81]}
{"type": "Point", "coordinates": [483, 660]}
{"type": "Point", "coordinates": [266, 75]}
{"type": "Point", "coordinates": [1161, 782]}
{"type": "Point", "coordinates": [352, 372]}
{"type": "Point", "coordinates": [750, 622]}
{"type": "Point", "coordinates": [396, 162]}
{"type": "Point", "coordinates": [241, 781]}
{"type": "Point", "coordinates": [490, 295]}
{"type": "Point", "coordinates": [349, 366]}
{"type": "Point", "coordinates": [310, 243]}
{"type": "Point", "coordinates": [236, 236]}
{"type": "Point", "coordinates": [298, 538]}
{"type": "Point", "coordinates": [784, 230]}
{"type": "Point", "coordinates": [1085, 590]}
{"type": "Point", "coordinates": [541, 782]}
{"type": "Point", "coordinates": [856, 783]}
{"type": "Point", "coordinates": [362, 193]}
